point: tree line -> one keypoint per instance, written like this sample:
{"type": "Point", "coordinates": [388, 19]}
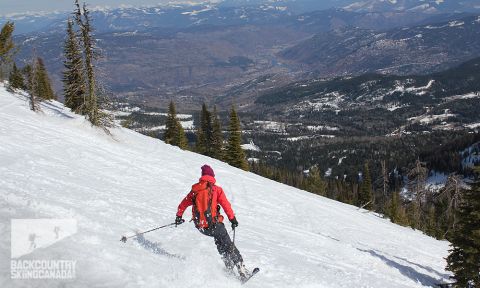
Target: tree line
{"type": "Point", "coordinates": [33, 77]}
{"type": "Point", "coordinates": [209, 136]}
{"type": "Point", "coordinates": [452, 212]}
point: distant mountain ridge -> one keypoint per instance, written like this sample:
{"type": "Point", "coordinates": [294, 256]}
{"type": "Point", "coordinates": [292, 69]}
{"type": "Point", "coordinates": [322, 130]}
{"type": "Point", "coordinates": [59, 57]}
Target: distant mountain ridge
{"type": "Point", "coordinates": [425, 6]}
{"type": "Point", "coordinates": [129, 17]}
{"type": "Point", "coordinates": [418, 49]}
{"type": "Point", "coordinates": [142, 18]}
{"type": "Point", "coordinates": [198, 52]}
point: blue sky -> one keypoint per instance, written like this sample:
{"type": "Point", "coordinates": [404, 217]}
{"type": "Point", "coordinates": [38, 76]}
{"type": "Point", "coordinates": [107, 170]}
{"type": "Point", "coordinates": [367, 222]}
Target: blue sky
{"type": "Point", "coordinates": [19, 6]}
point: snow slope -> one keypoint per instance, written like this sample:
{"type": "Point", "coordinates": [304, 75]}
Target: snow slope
{"type": "Point", "coordinates": [54, 165]}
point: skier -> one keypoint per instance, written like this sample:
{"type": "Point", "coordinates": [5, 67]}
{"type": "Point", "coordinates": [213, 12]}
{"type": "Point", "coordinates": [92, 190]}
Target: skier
{"type": "Point", "coordinates": [206, 199]}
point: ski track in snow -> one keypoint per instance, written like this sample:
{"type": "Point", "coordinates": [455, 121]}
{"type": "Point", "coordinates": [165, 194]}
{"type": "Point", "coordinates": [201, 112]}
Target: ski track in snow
{"type": "Point", "coordinates": [55, 165]}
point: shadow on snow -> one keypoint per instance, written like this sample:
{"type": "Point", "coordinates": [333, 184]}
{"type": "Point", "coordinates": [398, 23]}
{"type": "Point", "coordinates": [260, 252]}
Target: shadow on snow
{"type": "Point", "coordinates": [408, 271]}
{"type": "Point", "coordinates": [155, 248]}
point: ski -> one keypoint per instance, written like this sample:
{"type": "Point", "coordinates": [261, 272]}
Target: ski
{"type": "Point", "coordinates": [245, 280]}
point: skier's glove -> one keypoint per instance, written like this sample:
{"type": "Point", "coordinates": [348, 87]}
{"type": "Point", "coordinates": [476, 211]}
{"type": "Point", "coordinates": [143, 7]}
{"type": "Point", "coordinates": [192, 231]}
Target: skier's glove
{"type": "Point", "coordinates": [179, 220]}
{"type": "Point", "coordinates": [234, 223]}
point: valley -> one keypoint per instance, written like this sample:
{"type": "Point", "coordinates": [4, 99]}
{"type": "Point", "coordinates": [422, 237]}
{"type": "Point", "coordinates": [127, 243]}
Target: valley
{"type": "Point", "coordinates": [222, 54]}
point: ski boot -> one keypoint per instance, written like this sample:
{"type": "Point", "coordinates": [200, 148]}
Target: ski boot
{"type": "Point", "coordinates": [242, 271]}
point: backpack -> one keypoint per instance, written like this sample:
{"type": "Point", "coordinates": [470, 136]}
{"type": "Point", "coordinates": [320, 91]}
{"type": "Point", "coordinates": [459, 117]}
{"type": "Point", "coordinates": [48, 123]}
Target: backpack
{"type": "Point", "coordinates": [205, 211]}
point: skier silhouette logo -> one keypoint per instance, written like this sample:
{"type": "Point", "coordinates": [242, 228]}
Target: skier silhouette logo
{"type": "Point", "coordinates": [28, 235]}
{"type": "Point", "coordinates": [31, 238]}
{"type": "Point", "coordinates": [56, 230]}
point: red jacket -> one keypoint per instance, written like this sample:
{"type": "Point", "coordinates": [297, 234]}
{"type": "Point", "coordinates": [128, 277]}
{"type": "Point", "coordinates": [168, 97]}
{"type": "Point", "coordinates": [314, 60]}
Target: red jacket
{"type": "Point", "coordinates": [218, 194]}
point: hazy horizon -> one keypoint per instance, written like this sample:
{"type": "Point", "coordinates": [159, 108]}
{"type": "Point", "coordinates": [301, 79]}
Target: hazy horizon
{"type": "Point", "coordinates": [24, 6]}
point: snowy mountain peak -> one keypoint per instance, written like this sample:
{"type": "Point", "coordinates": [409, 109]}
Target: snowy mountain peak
{"type": "Point", "coordinates": [425, 6]}
{"type": "Point", "coordinates": [55, 165]}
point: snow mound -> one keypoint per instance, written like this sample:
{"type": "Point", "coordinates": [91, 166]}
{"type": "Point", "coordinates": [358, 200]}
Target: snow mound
{"type": "Point", "coordinates": [55, 165]}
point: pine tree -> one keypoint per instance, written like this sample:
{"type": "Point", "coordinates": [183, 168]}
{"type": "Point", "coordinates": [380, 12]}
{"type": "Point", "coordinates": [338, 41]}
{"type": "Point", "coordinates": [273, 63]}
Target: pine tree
{"type": "Point", "coordinates": [417, 181]}
{"type": "Point", "coordinates": [174, 133]}
{"type": "Point", "coordinates": [171, 126]}
{"type": "Point", "coordinates": [83, 20]}
{"type": "Point", "coordinates": [431, 222]}
{"type": "Point", "coordinates": [32, 84]}
{"type": "Point", "coordinates": [7, 46]}
{"type": "Point", "coordinates": [365, 195]}
{"type": "Point", "coordinates": [180, 139]}
{"type": "Point", "coordinates": [464, 258]}
{"type": "Point", "coordinates": [16, 79]}
{"type": "Point", "coordinates": [314, 182]}
{"type": "Point", "coordinates": [205, 133]}
{"type": "Point", "coordinates": [395, 210]}
{"type": "Point", "coordinates": [217, 136]}
{"type": "Point", "coordinates": [414, 214]}
{"type": "Point", "coordinates": [44, 87]}
{"type": "Point", "coordinates": [393, 207]}
{"type": "Point", "coordinates": [73, 77]}
{"type": "Point", "coordinates": [27, 72]}
{"type": "Point", "coordinates": [200, 141]}
{"type": "Point", "coordinates": [235, 155]}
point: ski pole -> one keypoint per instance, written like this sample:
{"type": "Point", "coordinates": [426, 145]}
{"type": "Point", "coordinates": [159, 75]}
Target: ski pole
{"type": "Point", "coordinates": [124, 238]}
{"type": "Point", "coordinates": [233, 240]}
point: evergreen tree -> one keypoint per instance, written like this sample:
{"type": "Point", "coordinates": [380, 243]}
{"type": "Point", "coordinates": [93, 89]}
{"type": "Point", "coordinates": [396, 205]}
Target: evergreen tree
{"type": "Point", "coordinates": [205, 133]}
{"type": "Point", "coordinates": [27, 72]}
{"type": "Point", "coordinates": [6, 47]}
{"type": "Point", "coordinates": [235, 155]}
{"type": "Point", "coordinates": [365, 195]}
{"type": "Point", "coordinates": [417, 181]}
{"type": "Point", "coordinates": [397, 212]}
{"type": "Point", "coordinates": [180, 138]}
{"type": "Point", "coordinates": [394, 207]}
{"type": "Point", "coordinates": [415, 215]}
{"type": "Point", "coordinates": [32, 84]}
{"type": "Point", "coordinates": [73, 77]}
{"type": "Point", "coordinates": [83, 20]}
{"type": "Point", "coordinates": [217, 136]}
{"type": "Point", "coordinates": [464, 258]}
{"type": "Point", "coordinates": [43, 86]}
{"type": "Point", "coordinates": [174, 133]}
{"type": "Point", "coordinates": [431, 222]}
{"type": "Point", "coordinates": [16, 78]}
{"type": "Point", "coordinates": [171, 126]}
{"type": "Point", "coordinates": [314, 182]}
{"type": "Point", "coordinates": [200, 143]}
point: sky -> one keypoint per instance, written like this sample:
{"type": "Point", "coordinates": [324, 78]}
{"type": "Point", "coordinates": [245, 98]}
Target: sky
{"type": "Point", "coordinates": [21, 6]}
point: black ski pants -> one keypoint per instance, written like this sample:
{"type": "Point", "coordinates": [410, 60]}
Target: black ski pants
{"type": "Point", "coordinates": [228, 251]}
